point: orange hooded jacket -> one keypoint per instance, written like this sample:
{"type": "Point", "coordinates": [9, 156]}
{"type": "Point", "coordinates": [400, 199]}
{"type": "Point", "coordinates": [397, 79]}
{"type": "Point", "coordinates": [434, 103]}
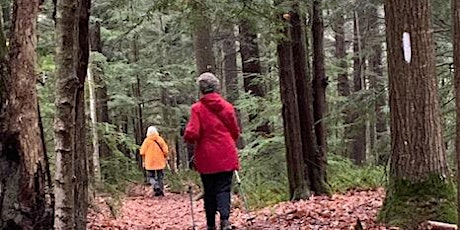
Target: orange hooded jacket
{"type": "Point", "coordinates": [154, 157]}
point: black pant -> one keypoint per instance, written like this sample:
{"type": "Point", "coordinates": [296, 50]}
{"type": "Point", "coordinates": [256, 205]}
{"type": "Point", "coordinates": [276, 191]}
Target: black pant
{"type": "Point", "coordinates": [156, 180]}
{"type": "Point", "coordinates": [217, 188]}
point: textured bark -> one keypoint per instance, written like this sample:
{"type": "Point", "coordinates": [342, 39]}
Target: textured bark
{"type": "Point", "coordinates": [418, 165]}
{"type": "Point", "coordinates": [24, 193]}
{"type": "Point", "coordinates": [202, 39]}
{"type": "Point", "coordinates": [319, 76]}
{"type": "Point", "coordinates": [67, 85]}
{"type": "Point", "coordinates": [100, 85]}
{"type": "Point", "coordinates": [417, 146]}
{"type": "Point", "coordinates": [456, 42]}
{"type": "Point", "coordinates": [95, 37]}
{"type": "Point", "coordinates": [314, 157]}
{"type": "Point", "coordinates": [80, 157]}
{"type": "Point", "coordinates": [358, 145]}
{"type": "Point", "coordinates": [297, 174]}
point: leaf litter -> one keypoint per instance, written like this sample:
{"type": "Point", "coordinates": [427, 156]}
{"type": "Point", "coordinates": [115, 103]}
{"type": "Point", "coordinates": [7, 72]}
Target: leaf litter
{"type": "Point", "coordinates": [141, 211]}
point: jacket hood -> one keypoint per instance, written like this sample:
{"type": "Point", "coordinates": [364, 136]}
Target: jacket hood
{"type": "Point", "coordinates": [152, 137]}
{"type": "Point", "coordinates": [213, 101]}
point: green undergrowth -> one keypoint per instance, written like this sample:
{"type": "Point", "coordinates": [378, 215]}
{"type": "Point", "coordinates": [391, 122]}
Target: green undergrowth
{"type": "Point", "coordinates": [117, 172]}
{"type": "Point", "coordinates": [179, 182]}
{"type": "Point", "coordinates": [343, 175]}
{"type": "Point", "coordinates": [408, 204]}
{"type": "Point", "coordinates": [120, 168]}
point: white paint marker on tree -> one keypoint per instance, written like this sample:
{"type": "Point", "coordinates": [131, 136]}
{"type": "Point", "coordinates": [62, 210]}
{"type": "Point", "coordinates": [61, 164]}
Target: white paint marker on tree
{"type": "Point", "coordinates": [407, 47]}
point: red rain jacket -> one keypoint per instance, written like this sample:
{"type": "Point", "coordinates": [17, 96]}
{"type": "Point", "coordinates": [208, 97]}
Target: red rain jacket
{"type": "Point", "coordinates": [214, 129]}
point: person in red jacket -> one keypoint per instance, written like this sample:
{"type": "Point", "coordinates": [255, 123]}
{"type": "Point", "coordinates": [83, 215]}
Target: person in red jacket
{"type": "Point", "coordinates": [213, 128]}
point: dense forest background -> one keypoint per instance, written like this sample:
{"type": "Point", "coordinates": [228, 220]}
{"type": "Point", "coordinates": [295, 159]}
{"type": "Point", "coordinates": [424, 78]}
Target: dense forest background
{"type": "Point", "coordinates": [310, 81]}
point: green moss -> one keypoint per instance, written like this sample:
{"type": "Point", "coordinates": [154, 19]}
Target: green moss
{"type": "Point", "coordinates": [408, 204]}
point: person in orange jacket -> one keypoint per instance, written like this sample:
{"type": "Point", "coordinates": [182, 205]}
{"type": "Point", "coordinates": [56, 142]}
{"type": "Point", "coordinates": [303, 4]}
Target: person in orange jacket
{"type": "Point", "coordinates": [154, 151]}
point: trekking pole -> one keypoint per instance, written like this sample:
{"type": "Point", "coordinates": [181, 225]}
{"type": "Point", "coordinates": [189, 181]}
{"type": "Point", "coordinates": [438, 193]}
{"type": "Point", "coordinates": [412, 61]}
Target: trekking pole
{"type": "Point", "coordinates": [191, 206]}
{"type": "Point", "coordinates": [238, 181]}
{"type": "Point", "coordinates": [249, 218]}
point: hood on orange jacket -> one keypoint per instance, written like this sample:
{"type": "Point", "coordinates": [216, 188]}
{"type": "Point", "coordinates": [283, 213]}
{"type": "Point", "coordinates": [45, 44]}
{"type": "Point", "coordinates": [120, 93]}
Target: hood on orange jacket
{"type": "Point", "coordinates": [154, 151]}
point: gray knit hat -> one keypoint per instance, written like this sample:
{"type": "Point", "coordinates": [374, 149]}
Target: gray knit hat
{"type": "Point", "coordinates": [208, 83]}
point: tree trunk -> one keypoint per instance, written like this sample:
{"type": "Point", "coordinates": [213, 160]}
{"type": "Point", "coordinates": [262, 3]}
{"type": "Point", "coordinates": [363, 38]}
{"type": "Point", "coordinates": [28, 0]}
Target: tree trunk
{"type": "Point", "coordinates": [100, 85]}
{"type": "Point", "coordinates": [418, 166]}
{"type": "Point", "coordinates": [297, 174]}
{"type": "Point", "coordinates": [252, 70]}
{"type": "Point", "coordinates": [136, 88]}
{"type": "Point", "coordinates": [95, 173]}
{"type": "Point", "coordinates": [249, 50]}
{"type": "Point", "coordinates": [456, 55]}
{"type": "Point", "coordinates": [343, 84]}
{"type": "Point", "coordinates": [319, 76]}
{"type": "Point", "coordinates": [313, 156]}
{"type": "Point", "coordinates": [24, 192]}
{"type": "Point", "coordinates": [202, 39]}
{"type": "Point", "coordinates": [231, 71]}
{"type": "Point", "coordinates": [137, 120]}
{"type": "Point", "coordinates": [377, 83]}
{"type": "Point", "coordinates": [64, 127]}
{"type": "Point", "coordinates": [358, 145]}
{"type": "Point", "coordinates": [80, 157]}
{"type": "Point", "coordinates": [230, 67]}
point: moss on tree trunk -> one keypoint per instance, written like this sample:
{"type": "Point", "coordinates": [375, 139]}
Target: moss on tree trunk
{"type": "Point", "coordinates": [408, 204]}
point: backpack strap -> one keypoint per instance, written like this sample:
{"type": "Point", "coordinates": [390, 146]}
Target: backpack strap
{"type": "Point", "coordinates": [160, 147]}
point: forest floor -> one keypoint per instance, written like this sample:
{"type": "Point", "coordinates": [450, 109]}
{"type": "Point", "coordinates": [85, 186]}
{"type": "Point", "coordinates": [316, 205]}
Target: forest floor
{"type": "Point", "coordinates": [139, 210]}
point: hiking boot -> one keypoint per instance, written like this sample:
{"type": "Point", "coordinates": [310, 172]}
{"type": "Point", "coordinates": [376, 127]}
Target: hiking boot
{"type": "Point", "coordinates": [159, 193]}
{"type": "Point", "coordinates": [225, 225]}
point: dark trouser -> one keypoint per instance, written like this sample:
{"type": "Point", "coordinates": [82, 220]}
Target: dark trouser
{"type": "Point", "coordinates": [217, 188]}
{"type": "Point", "coordinates": [156, 180]}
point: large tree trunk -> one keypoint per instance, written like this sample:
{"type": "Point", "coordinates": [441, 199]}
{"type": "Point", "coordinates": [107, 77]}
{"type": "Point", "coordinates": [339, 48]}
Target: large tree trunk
{"type": "Point", "coordinates": [418, 168]}
{"type": "Point", "coordinates": [456, 55]}
{"type": "Point", "coordinates": [358, 145]}
{"type": "Point", "coordinates": [80, 157]}
{"type": "Point", "coordinates": [24, 192]}
{"type": "Point", "coordinates": [202, 39]}
{"type": "Point", "coordinates": [319, 76]}
{"type": "Point", "coordinates": [297, 174]}
{"type": "Point", "coordinates": [313, 156]}
{"type": "Point", "coordinates": [64, 126]}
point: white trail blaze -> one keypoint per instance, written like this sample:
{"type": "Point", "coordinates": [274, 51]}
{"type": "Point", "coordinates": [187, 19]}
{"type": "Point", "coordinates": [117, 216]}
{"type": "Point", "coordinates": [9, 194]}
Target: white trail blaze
{"type": "Point", "coordinates": [407, 47]}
